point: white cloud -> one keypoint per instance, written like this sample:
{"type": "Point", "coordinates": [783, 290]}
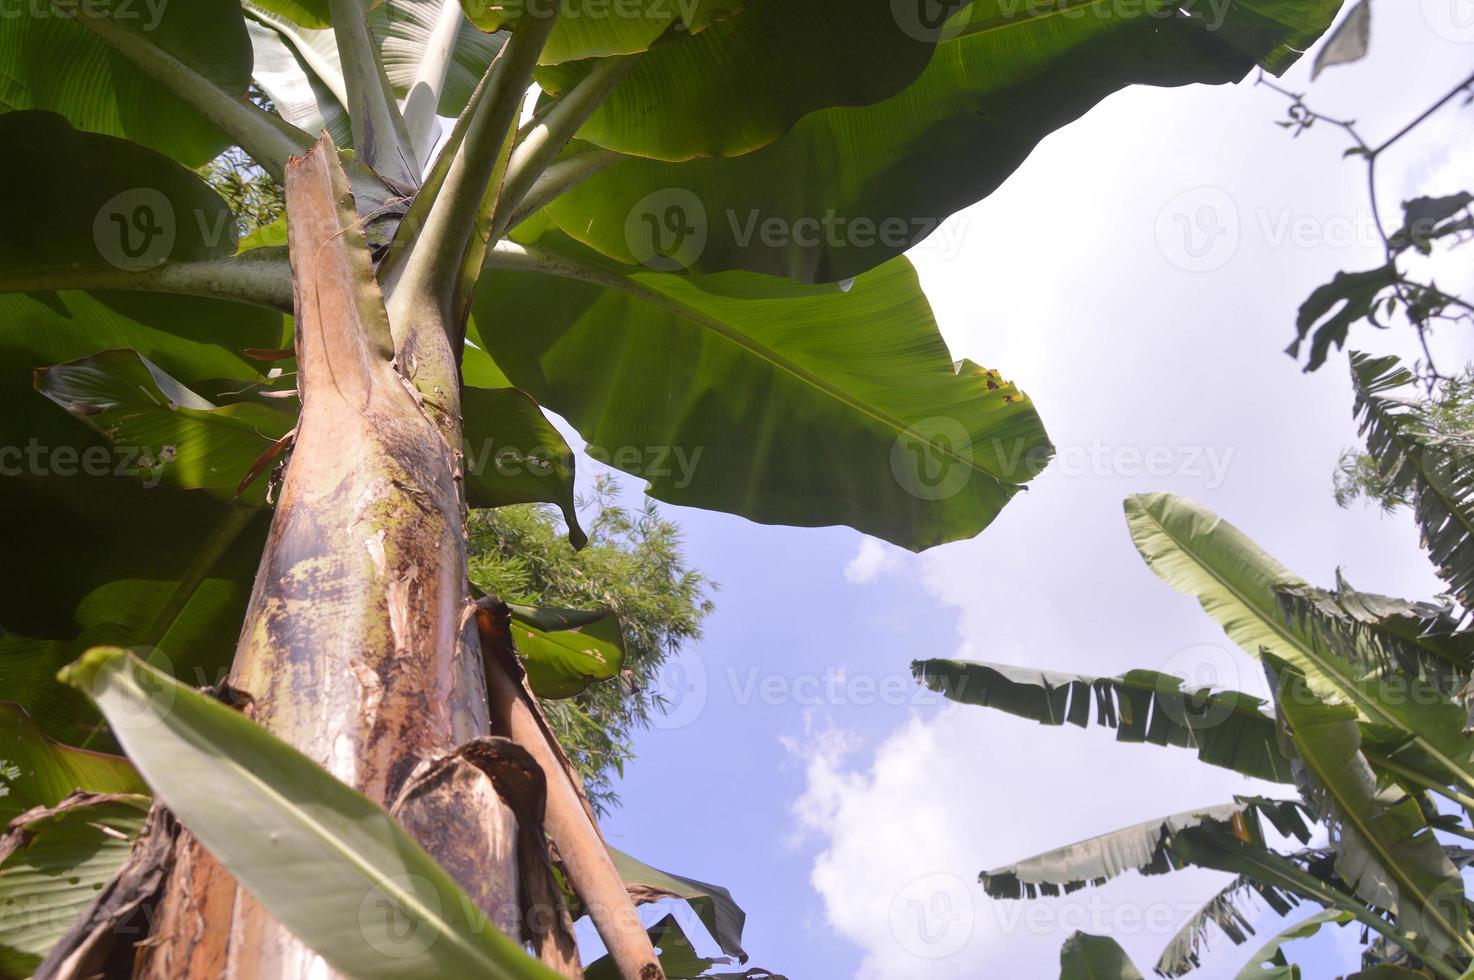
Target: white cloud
{"type": "Point", "coordinates": [906, 829]}
{"type": "Point", "coordinates": [1064, 282]}
{"type": "Point", "coordinates": [875, 558]}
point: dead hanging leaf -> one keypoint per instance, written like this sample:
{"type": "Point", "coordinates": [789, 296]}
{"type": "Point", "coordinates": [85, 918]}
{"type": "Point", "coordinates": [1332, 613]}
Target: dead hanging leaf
{"type": "Point", "coordinates": [461, 789]}
{"type": "Point", "coordinates": [269, 354]}
{"type": "Point", "coordinates": [103, 935]}
{"type": "Point", "coordinates": [265, 460]}
{"type": "Point", "coordinates": [1348, 42]}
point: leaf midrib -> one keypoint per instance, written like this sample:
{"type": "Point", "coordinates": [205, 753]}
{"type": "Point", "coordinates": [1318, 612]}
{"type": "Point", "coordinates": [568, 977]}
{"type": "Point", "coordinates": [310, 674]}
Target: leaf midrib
{"type": "Point", "coordinates": [1354, 816]}
{"type": "Point", "coordinates": [1369, 707]}
{"type": "Point", "coordinates": [977, 28]}
{"type": "Point", "coordinates": [578, 269]}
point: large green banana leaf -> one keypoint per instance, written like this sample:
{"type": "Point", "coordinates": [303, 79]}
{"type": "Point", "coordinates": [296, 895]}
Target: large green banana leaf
{"type": "Point", "coordinates": [1197, 552]}
{"type": "Point", "coordinates": [163, 568]}
{"type": "Point", "coordinates": [331, 865]}
{"type": "Point", "coordinates": [783, 403]}
{"type": "Point", "coordinates": [98, 204]}
{"type": "Point", "coordinates": [1268, 963]}
{"type": "Point", "coordinates": [1087, 957]}
{"type": "Point", "coordinates": [514, 455]}
{"type": "Point", "coordinates": [848, 188]}
{"type": "Point", "coordinates": [595, 28]}
{"type": "Point", "coordinates": [1384, 847]}
{"type": "Point", "coordinates": [38, 771]}
{"type": "Point", "coordinates": [1227, 728]}
{"type": "Point", "coordinates": [744, 81]}
{"type": "Point", "coordinates": [181, 439]}
{"type": "Point", "coordinates": [48, 61]}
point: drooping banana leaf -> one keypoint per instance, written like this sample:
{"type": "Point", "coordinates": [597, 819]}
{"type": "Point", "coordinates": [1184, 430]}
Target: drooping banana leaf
{"type": "Point", "coordinates": [566, 650]}
{"type": "Point", "coordinates": [1197, 552]}
{"type": "Point", "coordinates": [1227, 728]}
{"type": "Point", "coordinates": [718, 911]}
{"type": "Point", "coordinates": [848, 188]}
{"type": "Point", "coordinates": [1272, 954]}
{"type": "Point", "coordinates": [515, 456]}
{"type": "Point", "coordinates": [1228, 913]}
{"type": "Point", "coordinates": [783, 403]}
{"type": "Point", "coordinates": [1145, 847]}
{"type": "Point", "coordinates": [1438, 472]}
{"type": "Point", "coordinates": [1087, 957]}
{"type": "Point", "coordinates": [1385, 849]}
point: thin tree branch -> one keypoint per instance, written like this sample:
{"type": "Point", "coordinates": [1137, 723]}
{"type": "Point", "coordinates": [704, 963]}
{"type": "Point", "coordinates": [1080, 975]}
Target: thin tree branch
{"type": "Point", "coordinates": [1423, 117]}
{"type": "Point", "coordinates": [1302, 117]}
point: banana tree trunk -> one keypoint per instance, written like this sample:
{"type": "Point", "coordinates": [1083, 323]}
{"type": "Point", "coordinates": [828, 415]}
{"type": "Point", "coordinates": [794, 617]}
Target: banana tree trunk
{"type": "Point", "coordinates": [357, 647]}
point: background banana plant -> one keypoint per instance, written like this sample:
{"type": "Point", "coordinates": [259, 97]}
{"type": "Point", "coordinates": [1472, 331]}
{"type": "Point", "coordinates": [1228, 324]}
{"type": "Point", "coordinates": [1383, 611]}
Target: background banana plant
{"type": "Point", "coordinates": [1369, 722]}
{"type": "Point", "coordinates": [241, 451]}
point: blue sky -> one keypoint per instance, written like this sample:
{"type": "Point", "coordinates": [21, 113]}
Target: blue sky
{"type": "Point", "coordinates": [803, 770]}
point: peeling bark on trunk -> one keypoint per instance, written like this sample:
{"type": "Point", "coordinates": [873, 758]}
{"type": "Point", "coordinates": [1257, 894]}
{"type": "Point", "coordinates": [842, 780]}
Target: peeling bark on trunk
{"type": "Point", "coordinates": [355, 648]}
